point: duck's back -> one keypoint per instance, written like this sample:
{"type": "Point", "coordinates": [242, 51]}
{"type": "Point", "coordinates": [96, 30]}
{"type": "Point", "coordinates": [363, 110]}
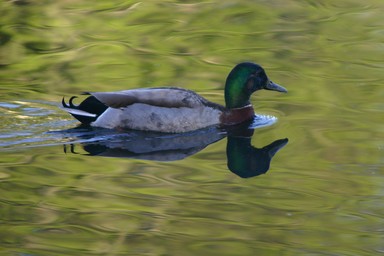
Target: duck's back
{"type": "Point", "coordinates": [172, 97]}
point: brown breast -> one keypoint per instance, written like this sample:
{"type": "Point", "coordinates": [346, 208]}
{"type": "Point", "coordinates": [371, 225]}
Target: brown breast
{"type": "Point", "coordinates": [237, 115]}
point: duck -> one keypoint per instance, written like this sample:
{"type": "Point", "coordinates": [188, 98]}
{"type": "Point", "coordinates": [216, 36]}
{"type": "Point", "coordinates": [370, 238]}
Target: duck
{"type": "Point", "coordinates": [173, 109]}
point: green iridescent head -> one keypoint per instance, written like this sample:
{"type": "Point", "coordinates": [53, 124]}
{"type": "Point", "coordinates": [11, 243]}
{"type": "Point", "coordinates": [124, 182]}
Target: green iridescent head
{"type": "Point", "coordinates": [245, 79]}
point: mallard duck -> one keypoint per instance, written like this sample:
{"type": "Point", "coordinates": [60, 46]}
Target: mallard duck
{"type": "Point", "coordinates": [173, 109]}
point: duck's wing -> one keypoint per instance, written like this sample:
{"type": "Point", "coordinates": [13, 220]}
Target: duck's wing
{"type": "Point", "coordinates": [171, 97]}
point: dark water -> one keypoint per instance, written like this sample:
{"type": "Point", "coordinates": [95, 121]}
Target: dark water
{"type": "Point", "coordinates": [67, 191]}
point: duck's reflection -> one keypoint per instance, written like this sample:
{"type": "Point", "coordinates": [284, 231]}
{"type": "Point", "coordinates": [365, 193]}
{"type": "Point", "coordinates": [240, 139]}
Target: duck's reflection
{"type": "Point", "coordinates": [242, 158]}
{"type": "Point", "coordinates": [247, 161]}
{"type": "Point", "coordinates": [154, 146]}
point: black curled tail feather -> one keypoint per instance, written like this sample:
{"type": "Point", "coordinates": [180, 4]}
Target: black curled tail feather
{"type": "Point", "coordinates": [90, 105]}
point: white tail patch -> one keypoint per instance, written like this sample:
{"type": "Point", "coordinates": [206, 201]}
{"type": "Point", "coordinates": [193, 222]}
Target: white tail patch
{"type": "Point", "coordinates": [78, 112]}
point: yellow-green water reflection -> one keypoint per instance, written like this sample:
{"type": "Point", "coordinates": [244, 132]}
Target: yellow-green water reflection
{"type": "Point", "coordinates": [323, 192]}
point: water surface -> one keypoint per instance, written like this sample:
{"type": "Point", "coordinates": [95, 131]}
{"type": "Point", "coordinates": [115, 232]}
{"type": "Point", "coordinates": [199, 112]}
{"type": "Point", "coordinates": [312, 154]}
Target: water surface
{"type": "Point", "coordinates": [67, 191]}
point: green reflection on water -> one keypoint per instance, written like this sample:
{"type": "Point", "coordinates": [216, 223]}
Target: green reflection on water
{"type": "Point", "coordinates": [324, 193]}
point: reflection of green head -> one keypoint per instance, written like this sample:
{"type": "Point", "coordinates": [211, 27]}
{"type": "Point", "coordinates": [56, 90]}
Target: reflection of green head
{"type": "Point", "coordinates": [243, 80]}
{"type": "Point", "coordinates": [248, 161]}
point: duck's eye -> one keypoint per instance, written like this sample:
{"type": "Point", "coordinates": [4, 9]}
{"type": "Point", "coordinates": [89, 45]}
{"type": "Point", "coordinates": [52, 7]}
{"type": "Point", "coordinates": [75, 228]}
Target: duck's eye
{"type": "Point", "coordinates": [250, 82]}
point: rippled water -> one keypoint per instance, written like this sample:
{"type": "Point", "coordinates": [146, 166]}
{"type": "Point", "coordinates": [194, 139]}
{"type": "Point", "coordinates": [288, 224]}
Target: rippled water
{"type": "Point", "coordinates": [305, 178]}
